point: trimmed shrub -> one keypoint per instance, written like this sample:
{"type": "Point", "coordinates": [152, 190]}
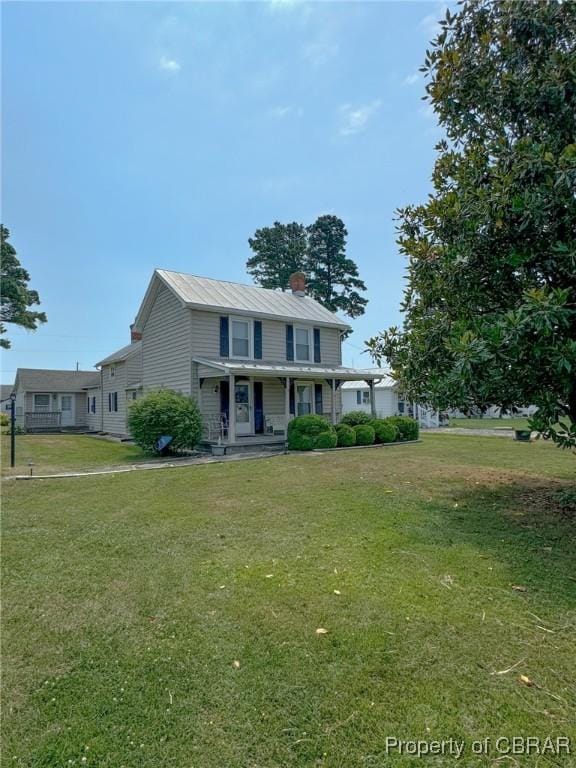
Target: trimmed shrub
{"type": "Point", "coordinates": [365, 434]}
{"type": "Point", "coordinates": [408, 429]}
{"type": "Point", "coordinates": [326, 440]}
{"type": "Point", "coordinates": [346, 436]}
{"type": "Point", "coordinates": [356, 417]}
{"type": "Point", "coordinates": [385, 431]}
{"type": "Point", "coordinates": [304, 431]}
{"type": "Point", "coordinates": [4, 420]}
{"type": "Point", "coordinates": [165, 413]}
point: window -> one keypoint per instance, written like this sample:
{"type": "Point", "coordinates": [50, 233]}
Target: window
{"type": "Point", "coordinates": [112, 401]}
{"type": "Point", "coordinates": [112, 371]}
{"type": "Point", "coordinates": [302, 344]}
{"type": "Point", "coordinates": [94, 404]}
{"type": "Point", "coordinates": [303, 399]}
{"type": "Point", "coordinates": [363, 397]}
{"type": "Point", "coordinates": [41, 402]}
{"type": "Point", "coordinates": [240, 333]}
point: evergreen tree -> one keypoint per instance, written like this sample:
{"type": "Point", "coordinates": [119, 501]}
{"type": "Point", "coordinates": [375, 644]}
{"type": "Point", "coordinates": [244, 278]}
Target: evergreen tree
{"type": "Point", "coordinates": [15, 296]}
{"type": "Point", "coordinates": [279, 251]}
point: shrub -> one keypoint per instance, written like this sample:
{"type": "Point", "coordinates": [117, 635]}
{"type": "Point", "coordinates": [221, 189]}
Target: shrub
{"type": "Point", "coordinates": [304, 433]}
{"type": "Point", "coordinates": [326, 440]}
{"type": "Point", "coordinates": [356, 417]}
{"type": "Point", "coordinates": [4, 420]}
{"type": "Point", "coordinates": [165, 413]}
{"type": "Point", "coordinates": [365, 434]}
{"type": "Point", "coordinates": [385, 431]}
{"type": "Point", "coordinates": [346, 436]}
{"type": "Point", "coordinates": [408, 429]}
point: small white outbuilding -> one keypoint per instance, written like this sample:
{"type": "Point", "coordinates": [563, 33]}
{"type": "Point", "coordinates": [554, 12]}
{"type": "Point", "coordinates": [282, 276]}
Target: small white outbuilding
{"type": "Point", "coordinates": [388, 401]}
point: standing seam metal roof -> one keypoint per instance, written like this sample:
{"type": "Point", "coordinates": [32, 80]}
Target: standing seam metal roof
{"type": "Point", "coordinates": [207, 293]}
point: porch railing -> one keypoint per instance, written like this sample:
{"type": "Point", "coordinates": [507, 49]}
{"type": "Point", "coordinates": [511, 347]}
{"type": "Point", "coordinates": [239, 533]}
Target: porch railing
{"type": "Point", "coordinates": [42, 419]}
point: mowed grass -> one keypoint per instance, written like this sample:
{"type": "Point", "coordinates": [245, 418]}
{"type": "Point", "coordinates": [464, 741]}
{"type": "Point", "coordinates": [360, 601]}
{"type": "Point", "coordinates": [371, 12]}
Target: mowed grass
{"type": "Point", "coordinates": [65, 453]}
{"type": "Point", "coordinates": [170, 618]}
{"type": "Point", "coordinates": [512, 423]}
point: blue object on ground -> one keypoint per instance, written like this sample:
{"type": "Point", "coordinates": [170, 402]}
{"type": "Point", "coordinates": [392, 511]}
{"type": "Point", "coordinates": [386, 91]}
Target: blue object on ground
{"type": "Point", "coordinates": [163, 443]}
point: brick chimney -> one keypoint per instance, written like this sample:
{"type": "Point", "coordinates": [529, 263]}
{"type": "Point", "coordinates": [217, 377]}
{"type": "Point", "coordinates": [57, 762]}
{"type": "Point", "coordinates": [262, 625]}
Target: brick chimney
{"type": "Point", "coordinates": [134, 335]}
{"type": "Point", "coordinates": [298, 283]}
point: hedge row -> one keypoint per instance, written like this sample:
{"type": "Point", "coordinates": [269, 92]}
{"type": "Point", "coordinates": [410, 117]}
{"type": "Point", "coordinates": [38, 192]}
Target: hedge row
{"type": "Point", "coordinates": [308, 432]}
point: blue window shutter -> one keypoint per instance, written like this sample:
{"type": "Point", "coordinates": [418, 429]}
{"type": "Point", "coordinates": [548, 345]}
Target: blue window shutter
{"type": "Point", "coordinates": [318, 398]}
{"type": "Point", "coordinates": [292, 398]}
{"type": "Point", "coordinates": [290, 343]}
{"type": "Point", "coordinates": [224, 337]}
{"type": "Point", "coordinates": [317, 355]}
{"type": "Point", "coordinates": [109, 401]}
{"type": "Point", "coordinates": [257, 339]}
{"type": "Point", "coordinates": [358, 397]}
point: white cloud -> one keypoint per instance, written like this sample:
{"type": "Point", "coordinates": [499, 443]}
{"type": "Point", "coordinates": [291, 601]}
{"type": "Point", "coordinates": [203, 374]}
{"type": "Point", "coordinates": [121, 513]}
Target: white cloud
{"type": "Point", "coordinates": [280, 112]}
{"type": "Point", "coordinates": [169, 65]}
{"type": "Point", "coordinates": [355, 119]}
{"type": "Point", "coordinates": [430, 23]}
{"type": "Point", "coordinates": [320, 52]}
{"type": "Point", "coordinates": [411, 79]}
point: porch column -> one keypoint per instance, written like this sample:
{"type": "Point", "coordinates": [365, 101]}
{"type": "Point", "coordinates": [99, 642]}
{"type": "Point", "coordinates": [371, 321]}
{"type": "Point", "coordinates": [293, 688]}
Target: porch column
{"type": "Point", "coordinates": [232, 409]}
{"type": "Point", "coordinates": [333, 401]}
{"type": "Point", "coordinates": [372, 398]}
{"type": "Point", "coordinates": [287, 402]}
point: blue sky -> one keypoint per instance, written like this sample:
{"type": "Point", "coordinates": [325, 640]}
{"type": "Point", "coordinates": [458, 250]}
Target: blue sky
{"type": "Point", "coordinates": [139, 135]}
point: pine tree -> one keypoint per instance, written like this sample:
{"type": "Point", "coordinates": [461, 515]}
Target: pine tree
{"type": "Point", "coordinates": [279, 251]}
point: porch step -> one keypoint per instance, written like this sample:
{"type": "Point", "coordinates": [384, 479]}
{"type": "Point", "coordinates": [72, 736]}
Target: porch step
{"type": "Point", "coordinates": [249, 447]}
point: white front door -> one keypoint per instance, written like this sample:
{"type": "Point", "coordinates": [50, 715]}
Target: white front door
{"type": "Point", "coordinates": [66, 408]}
{"type": "Point", "coordinates": [243, 405]}
{"type": "Point", "coordinates": [303, 399]}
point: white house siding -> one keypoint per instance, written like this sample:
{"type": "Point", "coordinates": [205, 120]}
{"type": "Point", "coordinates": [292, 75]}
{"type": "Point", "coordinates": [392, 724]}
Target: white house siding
{"type": "Point", "coordinates": [114, 421]}
{"type": "Point", "coordinates": [205, 339]}
{"type": "Point", "coordinates": [134, 369]}
{"type": "Point", "coordinates": [93, 421]}
{"type": "Point", "coordinates": [166, 350]}
{"type": "Point", "coordinates": [386, 400]}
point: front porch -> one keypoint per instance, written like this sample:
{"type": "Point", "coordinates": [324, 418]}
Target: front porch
{"type": "Point", "coordinates": [245, 405]}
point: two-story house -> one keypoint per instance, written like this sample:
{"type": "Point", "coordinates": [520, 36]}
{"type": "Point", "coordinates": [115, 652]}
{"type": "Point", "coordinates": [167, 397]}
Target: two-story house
{"type": "Point", "coordinates": [252, 357]}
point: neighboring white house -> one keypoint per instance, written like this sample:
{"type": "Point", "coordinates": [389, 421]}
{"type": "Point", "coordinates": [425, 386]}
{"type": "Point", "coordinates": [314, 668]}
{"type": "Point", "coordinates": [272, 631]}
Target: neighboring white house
{"type": "Point", "coordinates": [388, 401]}
{"type": "Point", "coordinates": [47, 400]}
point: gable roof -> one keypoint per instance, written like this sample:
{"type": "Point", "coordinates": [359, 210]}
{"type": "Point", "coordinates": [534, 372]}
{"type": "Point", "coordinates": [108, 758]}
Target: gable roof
{"type": "Point", "coordinates": [220, 295]}
{"type": "Point", "coordinates": [385, 382]}
{"type": "Point", "coordinates": [122, 354]}
{"type": "Point", "coordinates": [6, 390]}
{"type": "Point", "coordinates": [42, 380]}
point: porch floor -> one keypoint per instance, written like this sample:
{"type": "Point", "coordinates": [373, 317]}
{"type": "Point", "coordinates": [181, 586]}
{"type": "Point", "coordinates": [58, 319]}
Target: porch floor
{"type": "Point", "coordinates": [248, 442]}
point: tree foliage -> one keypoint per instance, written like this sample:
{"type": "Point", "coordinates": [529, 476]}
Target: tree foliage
{"type": "Point", "coordinates": [15, 296]}
{"type": "Point", "coordinates": [490, 304]}
{"type": "Point", "coordinates": [279, 251]}
{"type": "Point", "coordinates": [319, 251]}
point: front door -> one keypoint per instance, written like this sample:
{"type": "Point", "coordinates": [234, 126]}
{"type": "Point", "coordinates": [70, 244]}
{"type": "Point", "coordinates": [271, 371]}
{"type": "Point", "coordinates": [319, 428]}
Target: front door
{"type": "Point", "coordinates": [243, 405]}
{"type": "Point", "coordinates": [66, 403]}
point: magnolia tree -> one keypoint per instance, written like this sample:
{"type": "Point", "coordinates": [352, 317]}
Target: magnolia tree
{"type": "Point", "coordinates": [490, 303]}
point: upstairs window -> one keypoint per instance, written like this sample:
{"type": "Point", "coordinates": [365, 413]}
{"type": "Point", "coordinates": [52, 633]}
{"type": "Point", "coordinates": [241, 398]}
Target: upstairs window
{"type": "Point", "coordinates": [240, 338]}
{"type": "Point", "coordinates": [302, 344]}
{"type": "Point", "coordinates": [112, 371]}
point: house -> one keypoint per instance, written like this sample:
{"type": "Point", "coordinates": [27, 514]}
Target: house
{"type": "Point", "coordinates": [384, 399]}
{"type": "Point", "coordinates": [52, 400]}
{"type": "Point", "coordinates": [119, 383]}
{"type": "Point", "coordinates": [5, 401]}
{"type": "Point", "coordinates": [252, 357]}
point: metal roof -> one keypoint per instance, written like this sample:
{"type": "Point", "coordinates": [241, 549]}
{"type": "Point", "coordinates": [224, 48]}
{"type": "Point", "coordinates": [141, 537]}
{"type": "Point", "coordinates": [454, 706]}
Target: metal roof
{"type": "Point", "coordinates": [273, 369]}
{"type": "Point", "coordinates": [217, 295]}
{"type": "Point", "coordinates": [122, 354]}
{"type": "Point", "coordinates": [386, 381]}
{"type": "Point", "coordinates": [41, 380]}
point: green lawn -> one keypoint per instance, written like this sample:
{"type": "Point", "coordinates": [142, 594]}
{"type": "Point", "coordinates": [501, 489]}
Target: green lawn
{"type": "Point", "coordinates": [511, 423]}
{"type": "Point", "coordinates": [62, 453]}
{"type": "Point", "coordinates": [170, 619]}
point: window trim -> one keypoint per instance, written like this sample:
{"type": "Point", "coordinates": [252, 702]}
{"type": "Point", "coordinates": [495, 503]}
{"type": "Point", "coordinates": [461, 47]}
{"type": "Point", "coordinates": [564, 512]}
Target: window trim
{"type": "Point", "coordinates": [310, 385]}
{"type": "Point", "coordinates": [250, 323]}
{"type": "Point", "coordinates": [310, 357]}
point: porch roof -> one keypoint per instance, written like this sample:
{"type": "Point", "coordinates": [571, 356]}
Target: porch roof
{"type": "Point", "coordinates": [239, 368]}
